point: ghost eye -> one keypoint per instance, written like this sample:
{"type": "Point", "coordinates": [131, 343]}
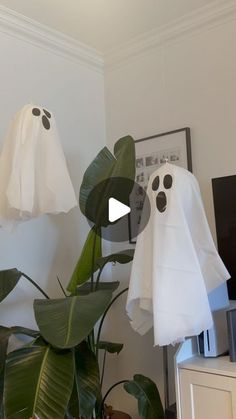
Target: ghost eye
{"type": "Point", "coordinates": [156, 183]}
{"type": "Point", "coordinates": [47, 113]}
{"type": "Point", "coordinates": [36, 111]}
{"type": "Point", "coordinates": [167, 182]}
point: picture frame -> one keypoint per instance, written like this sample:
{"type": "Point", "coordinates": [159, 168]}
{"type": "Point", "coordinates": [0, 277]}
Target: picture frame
{"type": "Point", "coordinates": [151, 152]}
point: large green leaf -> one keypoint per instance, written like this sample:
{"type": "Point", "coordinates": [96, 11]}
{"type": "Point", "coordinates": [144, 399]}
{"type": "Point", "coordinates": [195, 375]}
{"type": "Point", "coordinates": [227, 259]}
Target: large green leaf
{"type": "Point", "coordinates": [101, 286]}
{"type": "Point", "coordinates": [38, 381]}
{"type": "Point", "coordinates": [92, 250]}
{"type": "Point", "coordinates": [124, 151]}
{"type": "Point", "coordinates": [88, 380]}
{"type": "Point", "coordinates": [111, 347]}
{"type": "Point", "coordinates": [4, 337]}
{"type": "Point", "coordinates": [8, 281]}
{"type": "Point", "coordinates": [106, 167]}
{"type": "Point", "coordinates": [73, 406]}
{"type": "Point", "coordinates": [147, 394]}
{"type": "Point", "coordinates": [18, 330]}
{"type": "Point", "coordinates": [125, 256]}
{"type": "Point", "coordinates": [66, 322]}
{"type": "Point", "coordinates": [5, 334]}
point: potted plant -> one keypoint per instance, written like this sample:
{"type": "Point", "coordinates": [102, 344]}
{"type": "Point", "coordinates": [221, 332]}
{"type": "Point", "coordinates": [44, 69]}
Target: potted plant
{"type": "Point", "coordinates": [57, 374]}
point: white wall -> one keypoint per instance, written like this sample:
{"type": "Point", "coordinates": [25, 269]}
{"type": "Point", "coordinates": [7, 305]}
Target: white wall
{"type": "Point", "coordinates": [74, 92]}
{"type": "Point", "coordinates": [190, 82]}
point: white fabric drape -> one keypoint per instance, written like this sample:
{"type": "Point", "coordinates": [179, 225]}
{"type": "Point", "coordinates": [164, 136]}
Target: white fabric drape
{"type": "Point", "coordinates": [34, 178]}
{"type": "Point", "coordinates": [176, 263]}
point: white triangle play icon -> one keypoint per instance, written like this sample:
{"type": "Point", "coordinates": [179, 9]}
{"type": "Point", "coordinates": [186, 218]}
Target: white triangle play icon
{"type": "Point", "coordinates": [116, 210]}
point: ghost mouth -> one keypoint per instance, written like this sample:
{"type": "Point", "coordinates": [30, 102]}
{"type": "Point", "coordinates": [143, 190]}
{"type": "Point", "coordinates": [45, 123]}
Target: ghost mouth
{"type": "Point", "coordinates": [161, 201]}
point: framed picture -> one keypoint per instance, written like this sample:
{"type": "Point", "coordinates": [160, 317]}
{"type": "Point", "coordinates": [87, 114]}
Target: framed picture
{"type": "Point", "coordinates": [151, 153]}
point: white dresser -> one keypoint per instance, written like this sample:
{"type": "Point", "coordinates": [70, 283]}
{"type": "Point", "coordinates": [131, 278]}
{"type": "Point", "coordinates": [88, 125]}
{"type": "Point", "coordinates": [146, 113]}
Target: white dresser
{"type": "Point", "coordinates": [205, 387]}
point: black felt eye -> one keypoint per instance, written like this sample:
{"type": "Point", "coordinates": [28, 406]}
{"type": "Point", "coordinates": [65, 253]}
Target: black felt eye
{"type": "Point", "coordinates": [167, 182]}
{"type": "Point", "coordinates": [36, 111]}
{"type": "Point", "coordinates": [45, 122]}
{"type": "Point", "coordinates": [161, 201]}
{"type": "Point", "coordinates": [47, 113]}
{"type": "Point", "coordinates": [156, 183]}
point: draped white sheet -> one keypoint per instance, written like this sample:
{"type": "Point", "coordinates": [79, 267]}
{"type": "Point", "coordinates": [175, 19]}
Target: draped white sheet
{"type": "Point", "coordinates": [176, 263]}
{"type": "Point", "coordinates": [34, 178]}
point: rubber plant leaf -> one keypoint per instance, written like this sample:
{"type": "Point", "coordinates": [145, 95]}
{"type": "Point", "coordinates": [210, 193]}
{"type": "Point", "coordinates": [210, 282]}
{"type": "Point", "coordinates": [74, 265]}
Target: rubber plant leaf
{"type": "Point", "coordinates": [38, 383]}
{"type": "Point", "coordinates": [125, 256]}
{"type": "Point", "coordinates": [98, 179]}
{"type": "Point", "coordinates": [66, 322]}
{"type": "Point", "coordinates": [92, 250]}
{"type": "Point", "coordinates": [111, 347]}
{"type": "Point", "coordinates": [107, 286]}
{"type": "Point", "coordinates": [147, 394]}
{"type": "Point", "coordinates": [88, 380]}
{"type": "Point", "coordinates": [8, 280]}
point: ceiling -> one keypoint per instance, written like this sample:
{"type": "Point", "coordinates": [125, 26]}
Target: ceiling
{"type": "Point", "coordinates": [104, 24]}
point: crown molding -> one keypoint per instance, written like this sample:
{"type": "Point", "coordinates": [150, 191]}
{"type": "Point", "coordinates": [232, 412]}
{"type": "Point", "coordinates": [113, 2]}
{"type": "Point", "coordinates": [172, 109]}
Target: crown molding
{"type": "Point", "coordinates": [39, 35]}
{"type": "Point", "coordinates": [204, 18]}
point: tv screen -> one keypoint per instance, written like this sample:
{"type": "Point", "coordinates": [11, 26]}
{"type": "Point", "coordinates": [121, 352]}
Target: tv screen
{"type": "Point", "coordinates": [224, 195]}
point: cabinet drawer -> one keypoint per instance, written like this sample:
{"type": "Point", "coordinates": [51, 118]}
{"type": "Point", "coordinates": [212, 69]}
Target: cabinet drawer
{"type": "Point", "coordinates": [207, 396]}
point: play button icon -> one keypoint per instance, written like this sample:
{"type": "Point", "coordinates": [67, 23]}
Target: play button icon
{"type": "Point", "coordinates": [116, 206]}
{"type": "Point", "coordinates": [117, 210]}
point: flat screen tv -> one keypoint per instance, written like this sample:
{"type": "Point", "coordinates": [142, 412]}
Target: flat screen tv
{"type": "Point", "coordinates": [224, 195]}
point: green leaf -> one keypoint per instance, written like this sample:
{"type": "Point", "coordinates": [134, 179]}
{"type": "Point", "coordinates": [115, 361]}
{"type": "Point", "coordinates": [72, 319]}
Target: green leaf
{"type": "Point", "coordinates": [102, 286]}
{"type": "Point", "coordinates": [84, 267]}
{"type": "Point", "coordinates": [104, 167]}
{"type": "Point", "coordinates": [5, 334]}
{"type": "Point", "coordinates": [88, 380]}
{"type": "Point", "coordinates": [66, 322]}
{"type": "Point", "coordinates": [124, 151]}
{"type": "Point", "coordinates": [18, 330]}
{"type": "Point", "coordinates": [125, 256]}
{"type": "Point", "coordinates": [4, 338]}
{"type": "Point", "coordinates": [99, 170]}
{"type": "Point", "coordinates": [111, 347]}
{"type": "Point", "coordinates": [73, 406]}
{"type": "Point", "coordinates": [38, 381]}
{"type": "Point", "coordinates": [8, 281]}
{"type": "Point", "coordinates": [147, 394]}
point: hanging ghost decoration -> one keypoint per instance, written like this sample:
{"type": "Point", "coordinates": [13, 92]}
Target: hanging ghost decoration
{"type": "Point", "coordinates": [176, 263]}
{"type": "Point", "coordinates": [34, 178]}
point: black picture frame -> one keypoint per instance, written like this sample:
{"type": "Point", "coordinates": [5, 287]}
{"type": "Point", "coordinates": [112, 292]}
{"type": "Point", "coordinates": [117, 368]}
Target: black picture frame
{"type": "Point", "coordinates": [152, 152]}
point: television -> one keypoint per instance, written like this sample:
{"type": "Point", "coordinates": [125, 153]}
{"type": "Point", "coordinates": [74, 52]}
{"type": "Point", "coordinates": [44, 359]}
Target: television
{"type": "Point", "coordinates": [224, 197]}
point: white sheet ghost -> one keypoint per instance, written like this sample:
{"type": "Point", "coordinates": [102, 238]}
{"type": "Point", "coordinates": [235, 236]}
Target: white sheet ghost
{"type": "Point", "coordinates": [34, 178]}
{"type": "Point", "coordinates": [176, 263]}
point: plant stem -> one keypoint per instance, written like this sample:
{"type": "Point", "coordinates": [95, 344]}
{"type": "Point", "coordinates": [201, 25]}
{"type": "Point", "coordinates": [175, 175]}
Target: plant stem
{"type": "Point", "coordinates": [104, 316]}
{"type": "Point", "coordinates": [63, 291]}
{"type": "Point", "coordinates": [110, 389]}
{"type": "Point", "coordinates": [36, 285]}
{"type": "Point", "coordinates": [103, 366]}
{"type": "Point", "coordinates": [93, 257]}
{"type": "Point", "coordinates": [98, 278]}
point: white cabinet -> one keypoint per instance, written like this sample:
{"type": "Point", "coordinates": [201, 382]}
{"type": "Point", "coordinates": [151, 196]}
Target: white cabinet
{"type": "Point", "coordinates": [207, 396]}
{"type": "Point", "coordinates": [205, 387]}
